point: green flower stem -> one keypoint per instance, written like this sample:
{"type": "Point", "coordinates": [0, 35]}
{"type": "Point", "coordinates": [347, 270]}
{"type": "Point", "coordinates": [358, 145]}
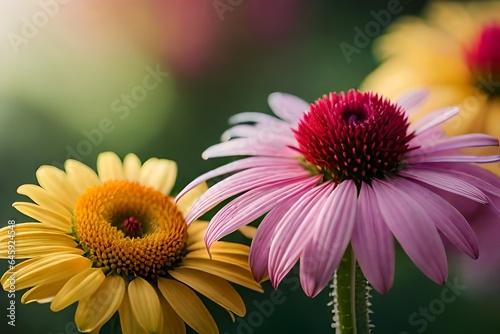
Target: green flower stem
{"type": "Point", "coordinates": [352, 291]}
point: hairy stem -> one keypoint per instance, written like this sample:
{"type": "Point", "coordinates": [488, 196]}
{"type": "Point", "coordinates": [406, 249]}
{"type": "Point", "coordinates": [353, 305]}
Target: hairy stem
{"type": "Point", "coordinates": [351, 297]}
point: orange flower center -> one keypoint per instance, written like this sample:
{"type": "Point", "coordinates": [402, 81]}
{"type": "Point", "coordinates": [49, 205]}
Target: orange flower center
{"type": "Point", "coordinates": [130, 229]}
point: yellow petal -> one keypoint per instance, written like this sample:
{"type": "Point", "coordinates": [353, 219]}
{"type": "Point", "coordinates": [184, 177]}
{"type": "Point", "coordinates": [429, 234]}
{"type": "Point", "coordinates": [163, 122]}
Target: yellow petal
{"type": "Point", "coordinates": [109, 167]}
{"type": "Point", "coordinates": [46, 269]}
{"type": "Point", "coordinates": [172, 323]}
{"type": "Point", "coordinates": [145, 304]}
{"type": "Point", "coordinates": [159, 174]}
{"type": "Point", "coordinates": [230, 272]}
{"type": "Point", "coordinates": [222, 247]}
{"type": "Point", "coordinates": [78, 287]}
{"type": "Point", "coordinates": [187, 201]}
{"type": "Point", "coordinates": [131, 167]}
{"type": "Point", "coordinates": [196, 231]}
{"type": "Point", "coordinates": [80, 175]}
{"type": "Point", "coordinates": [94, 311]}
{"type": "Point", "coordinates": [42, 198]}
{"type": "Point", "coordinates": [187, 305]}
{"type": "Point", "coordinates": [57, 185]}
{"type": "Point", "coordinates": [213, 287]}
{"type": "Point", "coordinates": [235, 259]}
{"type": "Point", "coordinates": [128, 323]}
{"type": "Point", "coordinates": [33, 243]}
{"type": "Point", "coordinates": [43, 293]}
{"type": "Point", "coordinates": [55, 219]}
{"type": "Point", "coordinates": [248, 231]}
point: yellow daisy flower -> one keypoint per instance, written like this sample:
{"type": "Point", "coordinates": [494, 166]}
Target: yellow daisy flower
{"type": "Point", "coordinates": [455, 52]}
{"type": "Point", "coordinates": [116, 241]}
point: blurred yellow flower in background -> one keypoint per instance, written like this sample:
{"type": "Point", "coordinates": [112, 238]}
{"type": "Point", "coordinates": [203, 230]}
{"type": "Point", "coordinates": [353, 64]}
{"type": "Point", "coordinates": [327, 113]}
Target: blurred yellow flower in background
{"type": "Point", "coordinates": [455, 52]}
{"type": "Point", "coordinates": [116, 241]}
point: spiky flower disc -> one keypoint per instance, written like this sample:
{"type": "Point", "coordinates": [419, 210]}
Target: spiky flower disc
{"type": "Point", "coordinates": [358, 136]}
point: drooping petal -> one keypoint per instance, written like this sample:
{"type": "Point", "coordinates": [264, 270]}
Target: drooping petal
{"type": "Point", "coordinates": [128, 322]}
{"type": "Point", "coordinates": [233, 167]}
{"type": "Point", "coordinates": [109, 167]}
{"type": "Point", "coordinates": [253, 204]}
{"type": "Point", "coordinates": [478, 177]}
{"type": "Point", "coordinates": [287, 107]}
{"type": "Point", "coordinates": [78, 287]}
{"type": "Point", "coordinates": [98, 308]}
{"type": "Point", "coordinates": [372, 242]}
{"type": "Point", "coordinates": [445, 216]}
{"type": "Point", "coordinates": [417, 235]}
{"type": "Point", "coordinates": [172, 323]}
{"type": "Point", "coordinates": [294, 232]}
{"type": "Point", "coordinates": [187, 305]}
{"type": "Point", "coordinates": [261, 244]}
{"type": "Point", "coordinates": [240, 182]}
{"type": "Point", "coordinates": [446, 182]}
{"type": "Point", "coordinates": [213, 287]}
{"type": "Point", "coordinates": [145, 304]}
{"type": "Point", "coordinates": [333, 230]}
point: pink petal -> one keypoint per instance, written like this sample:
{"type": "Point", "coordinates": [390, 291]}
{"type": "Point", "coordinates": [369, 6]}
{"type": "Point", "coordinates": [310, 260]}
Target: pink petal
{"type": "Point", "coordinates": [413, 228]}
{"type": "Point", "coordinates": [240, 182]}
{"type": "Point", "coordinates": [333, 226]}
{"type": "Point", "coordinates": [459, 142]}
{"type": "Point", "coordinates": [288, 107]}
{"type": "Point", "coordinates": [233, 167]}
{"type": "Point", "coordinates": [433, 119]}
{"type": "Point", "coordinates": [412, 99]}
{"type": "Point", "coordinates": [459, 158]}
{"type": "Point", "coordinates": [249, 146]}
{"type": "Point", "coordinates": [373, 243]}
{"type": "Point", "coordinates": [262, 133]}
{"type": "Point", "coordinates": [445, 216]}
{"type": "Point", "coordinates": [253, 204]}
{"type": "Point", "coordinates": [261, 244]}
{"type": "Point", "coordinates": [477, 176]}
{"type": "Point", "coordinates": [446, 182]}
{"type": "Point", "coordinates": [261, 120]}
{"type": "Point", "coordinates": [294, 232]}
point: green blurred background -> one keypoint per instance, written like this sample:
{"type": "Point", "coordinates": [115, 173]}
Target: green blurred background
{"type": "Point", "coordinates": [76, 79]}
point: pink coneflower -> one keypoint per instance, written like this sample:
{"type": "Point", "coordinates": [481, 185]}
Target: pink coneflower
{"type": "Point", "coordinates": [348, 168]}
